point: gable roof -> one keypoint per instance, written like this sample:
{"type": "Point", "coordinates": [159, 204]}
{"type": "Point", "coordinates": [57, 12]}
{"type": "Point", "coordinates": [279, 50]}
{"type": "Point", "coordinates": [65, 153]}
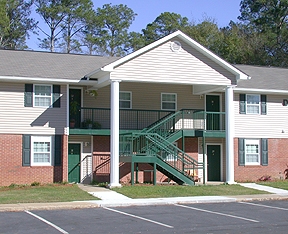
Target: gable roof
{"type": "Point", "coordinates": [264, 78]}
{"type": "Point", "coordinates": [182, 36]}
{"type": "Point", "coordinates": [59, 66]}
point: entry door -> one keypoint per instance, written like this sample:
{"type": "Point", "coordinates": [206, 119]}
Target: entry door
{"type": "Point", "coordinates": [214, 162]}
{"type": "Point", "coordinates": [213, 105]}
{"type": "Point", "coordinates": [74, 105]}
{"type": "Point", "coordinates": [74, 163]}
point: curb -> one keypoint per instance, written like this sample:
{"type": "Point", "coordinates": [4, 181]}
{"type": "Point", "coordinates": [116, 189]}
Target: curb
{"type": "Point", "coordinates": [137, 202]}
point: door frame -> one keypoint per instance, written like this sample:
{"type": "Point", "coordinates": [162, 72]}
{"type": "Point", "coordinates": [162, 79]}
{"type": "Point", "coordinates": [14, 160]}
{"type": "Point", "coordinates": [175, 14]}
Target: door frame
{"type": "Point", "coordinates": [220, 106]}
{"type": "Point", "coordinates": [221, 160]}
{"type": "Point", "coordinates": [68, 102]}
{"type": "Point", "coordinates": [81, 157]}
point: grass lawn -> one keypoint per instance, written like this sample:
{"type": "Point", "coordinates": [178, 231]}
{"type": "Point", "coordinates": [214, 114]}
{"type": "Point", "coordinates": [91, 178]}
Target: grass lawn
{"type": "Point", "coordinates": [43, 193]}
{"type": "Point", "coordinates": [150, 191]}
{"type": "Point", "coordinates": [281, 184]}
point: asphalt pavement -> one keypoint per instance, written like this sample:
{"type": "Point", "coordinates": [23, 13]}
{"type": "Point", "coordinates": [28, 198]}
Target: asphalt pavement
{"type": "Point", "coordinates": [111, 198]}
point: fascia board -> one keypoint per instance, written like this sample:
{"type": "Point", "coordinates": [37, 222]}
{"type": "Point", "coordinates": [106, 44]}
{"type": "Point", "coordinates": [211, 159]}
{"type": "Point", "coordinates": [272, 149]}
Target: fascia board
{"type": "Point", "coordinates": [263, 91]}
{"type": "Point", "coordinates": [33, 79]}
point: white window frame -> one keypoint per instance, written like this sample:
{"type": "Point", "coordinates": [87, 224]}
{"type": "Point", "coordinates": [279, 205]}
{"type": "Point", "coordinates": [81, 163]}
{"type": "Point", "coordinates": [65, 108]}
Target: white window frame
{"type": "Point", "coordinates": [253, 142]}
{"type": "Point", "coordinates": [175, 102]}
{"type": "Point", "coordinates": [42, 96]}
{"type": "Point", "coordinates": [122, 100]}
{"type": "Point", "coordinates": [41, 139]}
{"type": "Point", "coordinates": [247, 104]}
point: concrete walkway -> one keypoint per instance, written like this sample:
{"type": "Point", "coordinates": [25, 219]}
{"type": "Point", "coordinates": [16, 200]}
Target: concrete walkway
{"type": "Point", "coordinates": [110, 198]}
{"type": "Point", "coordinates": [265, 188]}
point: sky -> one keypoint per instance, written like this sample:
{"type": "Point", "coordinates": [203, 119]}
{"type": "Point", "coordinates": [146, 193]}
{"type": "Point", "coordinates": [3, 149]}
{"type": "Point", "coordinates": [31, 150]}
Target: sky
{"type": "Point", "coordinates": [222, 11]}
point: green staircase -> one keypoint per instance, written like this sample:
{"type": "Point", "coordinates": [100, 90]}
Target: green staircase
{"type": "Point", "coordinates": [154, 145]}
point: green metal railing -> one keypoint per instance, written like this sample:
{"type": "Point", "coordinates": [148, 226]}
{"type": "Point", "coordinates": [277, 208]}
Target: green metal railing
{"type": "Point", "coordinates": [130, 119]}
{"type": "Point", "coordinates": [152, 144]}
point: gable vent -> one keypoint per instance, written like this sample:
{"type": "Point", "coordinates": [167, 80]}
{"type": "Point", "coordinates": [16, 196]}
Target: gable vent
{"type": "Point", "coordinates": [175, 46]}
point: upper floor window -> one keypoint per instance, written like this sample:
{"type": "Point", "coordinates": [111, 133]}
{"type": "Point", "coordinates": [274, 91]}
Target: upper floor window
{"type": "Point", "coordinates": [125, 100]}
{"type": "Point", "coordinates": [42, 95]}
{"type": "Point", "coordinates": [254, 104]}
{"type": "Point", "coordinates": [168, 101]}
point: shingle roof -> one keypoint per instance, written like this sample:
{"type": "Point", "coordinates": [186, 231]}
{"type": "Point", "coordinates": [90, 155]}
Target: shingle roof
{"type": "Point", "coordinates": [19, 63]}
{"type": "Point", "coordinates": [264, 77]}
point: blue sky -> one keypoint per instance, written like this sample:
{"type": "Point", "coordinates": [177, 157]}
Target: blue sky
{"type": "Point", "coordinates": [222, 11]}
{"type": "Point", "coordinates": [147, 10]}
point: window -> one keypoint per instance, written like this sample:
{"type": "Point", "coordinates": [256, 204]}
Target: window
{"type": "Point", "coordinates": [252, 152]}
{"type": "Point", "coordinates": [125, 100]}
{"type": "Point", "coordinates": [253, 104]}
{"type": "Point", "coordinates": [41, 150]}
{"type": "Point", "coordinates": [42, 95]}
{"type": "Point", "coordinates": [168, 101]}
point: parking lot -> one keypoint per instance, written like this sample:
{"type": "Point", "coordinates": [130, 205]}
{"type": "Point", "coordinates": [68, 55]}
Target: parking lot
{"type": "Point", "coordinates": [235, 217]}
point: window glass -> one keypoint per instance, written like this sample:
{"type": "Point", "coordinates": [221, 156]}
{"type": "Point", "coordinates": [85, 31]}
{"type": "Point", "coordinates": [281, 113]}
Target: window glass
{"type": "Point", "coordinates": [125, 100]}
{"type": "Point", "coordinates": [41, 150]}
{"type": "Point", "coordinates": [253, 104]}
{"type": "Point", "coordinates": [252, 153]}
{"type": "Point", "coordinates": [42, 95]}
{"type": "Point", "coordinates": [169, 101]}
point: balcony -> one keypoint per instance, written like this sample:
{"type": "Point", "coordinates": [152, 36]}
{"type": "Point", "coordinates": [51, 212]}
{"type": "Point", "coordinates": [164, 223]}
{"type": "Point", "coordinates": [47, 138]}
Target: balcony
{"type": "Point", "coordinates": [96, 121]}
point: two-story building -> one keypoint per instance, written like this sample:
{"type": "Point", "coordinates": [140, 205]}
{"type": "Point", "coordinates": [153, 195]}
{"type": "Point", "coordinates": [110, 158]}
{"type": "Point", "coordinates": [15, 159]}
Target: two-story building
{"type": "Point", "coordinates": [172, 110]}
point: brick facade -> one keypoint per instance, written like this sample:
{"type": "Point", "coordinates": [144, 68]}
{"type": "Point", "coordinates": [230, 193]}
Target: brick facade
{"type": "Point", "coordinates": [12, 171]}
{"type": "Point", "coordinates": [277, 163]}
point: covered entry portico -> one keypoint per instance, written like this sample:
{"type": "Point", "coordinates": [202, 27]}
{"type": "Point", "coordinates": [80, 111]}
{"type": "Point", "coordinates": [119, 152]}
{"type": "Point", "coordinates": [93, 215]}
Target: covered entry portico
{"type": "Point", "coordinates": [190, 65]}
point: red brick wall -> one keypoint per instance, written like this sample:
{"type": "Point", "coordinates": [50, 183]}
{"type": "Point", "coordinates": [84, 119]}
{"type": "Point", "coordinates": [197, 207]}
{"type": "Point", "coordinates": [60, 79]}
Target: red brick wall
{"type": "Point", "coordinates": [12, 171]}
{"type": "Point", "coordinates": [277, 162]}
{"type": "Point", "coordinates": [101, 162]}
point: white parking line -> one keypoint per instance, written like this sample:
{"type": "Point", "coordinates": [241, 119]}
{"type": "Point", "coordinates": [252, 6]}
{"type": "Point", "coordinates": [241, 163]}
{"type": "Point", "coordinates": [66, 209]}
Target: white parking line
{"type": "Point", "coordinates": [213, 212]}
{"type": "Point", "coordinates": [272, 207]}
{"type": "Point", "coordinates": [47, 222]}
{"type": "Point", "coordinates": [138, 217]}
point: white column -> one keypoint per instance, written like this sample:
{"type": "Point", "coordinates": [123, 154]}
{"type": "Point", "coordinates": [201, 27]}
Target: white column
{"type": "Point", "coordinates": [114, 135]}
{"type": "Point", "coordinates": [229, 112]}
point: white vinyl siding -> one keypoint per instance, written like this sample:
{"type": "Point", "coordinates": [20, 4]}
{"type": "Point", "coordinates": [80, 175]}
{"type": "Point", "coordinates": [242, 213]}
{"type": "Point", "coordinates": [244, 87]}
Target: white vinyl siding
{"type": "Point", "coordinates": [42, 95]}
{"type": "Point", "coordinates": [168, 101]}
{"type": "Point", "coordinates": [271, 125]}
{"type": "Point", "coordinates": [253, 104]}
{"type": "Point", "coordinates": [41, 151]}
{"type": "Point", "coordinates": [17, 119]}
{"type": "Point", "coordinates": [125, 100]}
{"type": "Point", "coordinates": [162, 65]}
{"type": "Point", "coordinates": [252, 152]}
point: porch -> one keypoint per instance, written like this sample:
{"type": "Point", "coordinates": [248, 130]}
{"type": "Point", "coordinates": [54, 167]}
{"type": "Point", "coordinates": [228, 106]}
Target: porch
{"type": "Point", "coordinates": [192, 122]}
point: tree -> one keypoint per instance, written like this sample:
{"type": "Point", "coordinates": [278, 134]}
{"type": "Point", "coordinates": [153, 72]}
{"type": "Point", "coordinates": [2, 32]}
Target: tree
{"type": "Point", "coordinates": [15, 23]}
{"type": "Point", "coordinates": [53, 13]}
{"type": "Point", "coordinates": [79, 12]}
{"type": "Point", "coordinates": [109, 35]}
{"type": "Point", "coordinates": [269, 19]}
{"type": "Point", "coordinates": [207, 34]}
{"type": "Point", "coordinates": [165, 24]}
